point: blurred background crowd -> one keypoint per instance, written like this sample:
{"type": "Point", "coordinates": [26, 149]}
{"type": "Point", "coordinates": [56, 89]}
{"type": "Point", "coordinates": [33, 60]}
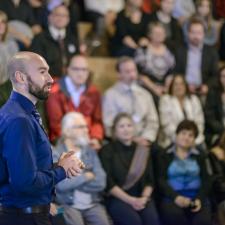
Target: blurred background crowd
{"type": "Point", "coordinates": [139, 95]}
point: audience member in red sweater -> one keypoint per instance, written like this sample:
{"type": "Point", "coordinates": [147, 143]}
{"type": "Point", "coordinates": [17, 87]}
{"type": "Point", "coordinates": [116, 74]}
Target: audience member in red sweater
{"type": "Point", "coordinates": [150, 5]}
{"type": "Point", "coordinates": [74, 93]}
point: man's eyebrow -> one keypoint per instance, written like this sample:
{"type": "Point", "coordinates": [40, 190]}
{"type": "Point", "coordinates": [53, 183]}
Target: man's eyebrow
{"type": "Point", "coordinates": [43, 68]}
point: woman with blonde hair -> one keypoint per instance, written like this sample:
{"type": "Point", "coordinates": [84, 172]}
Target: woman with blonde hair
{"type": "Point", "coordinates": [129, 176]}
{"type": "Point", "coordinates": [155, 61]}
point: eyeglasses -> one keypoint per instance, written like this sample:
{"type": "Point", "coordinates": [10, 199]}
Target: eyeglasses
{"type": "Point", "coordinates": [79, 127]}
{"type": "Point", "coordinates": [61, 15]}
{"type": "Point", "coordinates": [77, 69]}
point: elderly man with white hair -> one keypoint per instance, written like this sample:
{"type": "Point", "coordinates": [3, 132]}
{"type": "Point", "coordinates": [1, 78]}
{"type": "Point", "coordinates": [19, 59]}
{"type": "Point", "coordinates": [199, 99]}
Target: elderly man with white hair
{"type": "Point", "coordinates": [80, 197]}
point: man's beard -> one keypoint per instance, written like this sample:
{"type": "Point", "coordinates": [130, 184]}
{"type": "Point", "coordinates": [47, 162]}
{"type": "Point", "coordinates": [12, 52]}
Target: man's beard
{"type": "Point", "coordinates": [82, 142]}
{"type": "Point", "coordinates": [38, 92]}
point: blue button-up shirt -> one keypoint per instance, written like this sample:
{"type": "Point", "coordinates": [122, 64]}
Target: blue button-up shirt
{"type": "Point", "coordinates": [27, 176]}
{"type": "Point", "coordinates": [184, 174]}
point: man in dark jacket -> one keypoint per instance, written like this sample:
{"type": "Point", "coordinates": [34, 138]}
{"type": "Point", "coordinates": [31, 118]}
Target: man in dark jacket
{"type": "Point", "coordinates": [56, 44]}
{"type": "Point", "coordinates": [197, 61]}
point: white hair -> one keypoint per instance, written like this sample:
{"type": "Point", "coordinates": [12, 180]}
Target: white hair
{"type": "Point", "coordinates": [68, 118]}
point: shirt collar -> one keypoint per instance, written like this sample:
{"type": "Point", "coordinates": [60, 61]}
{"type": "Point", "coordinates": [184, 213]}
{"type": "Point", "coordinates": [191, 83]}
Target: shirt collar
{"type": "Point", "coordinates": [27, 104]}
{"type": "Point", "coordinates": [56, 33]}
{"type": "Point", "coordinates": [71, 87]}
{"type": "Point", "coordinates": [125, 87]}
{"type": "Point", "coordinates": [172, 149]}
{"type": "Point", "coordinates": [194, 48]}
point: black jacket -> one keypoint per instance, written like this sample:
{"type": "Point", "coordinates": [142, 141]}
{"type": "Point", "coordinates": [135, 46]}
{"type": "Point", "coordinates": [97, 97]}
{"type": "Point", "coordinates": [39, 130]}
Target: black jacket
{"type": "Point", "coordinates": [116, 159]}
{"type": "Point", "coordinates": [46, 46]}
{"type": "Point", "coordinates": [164, 159]}
{"type": "Point", "coordinates": [22, 12]}
{"type": "Point", "coordinates": [209, 65]}
{"type": "Point", "coordinates": [213, 114]}
{"type": "Point", "coordinates": [218, 168]}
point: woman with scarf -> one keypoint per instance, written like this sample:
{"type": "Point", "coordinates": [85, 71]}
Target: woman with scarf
{"type": "Point", "coordinates": [129, 176]}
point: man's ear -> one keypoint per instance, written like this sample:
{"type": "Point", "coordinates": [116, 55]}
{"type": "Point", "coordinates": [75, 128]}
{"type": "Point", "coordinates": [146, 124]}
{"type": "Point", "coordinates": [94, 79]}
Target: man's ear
{"type": "Point", "coordinates": [20, 77]}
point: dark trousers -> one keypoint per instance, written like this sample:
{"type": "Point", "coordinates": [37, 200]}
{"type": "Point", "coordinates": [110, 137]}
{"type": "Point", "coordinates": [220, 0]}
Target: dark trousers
{"type": "Point", "coordinates": [24, 219]}
{"type": "Point", "coordinates": [171, 214]}
{"type": "Point", "coordinates": [124, 214]}
{"type": "Point", "coordinates": [119, 51]}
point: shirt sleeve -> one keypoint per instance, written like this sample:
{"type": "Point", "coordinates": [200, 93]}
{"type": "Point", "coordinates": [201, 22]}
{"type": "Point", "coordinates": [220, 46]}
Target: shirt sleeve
{"type": "Point", "coordinates": [20, 155]}
{"type": "Point", "coordinates": [99, 183]}
{"type": "Point", "coordinates": [151, 128]}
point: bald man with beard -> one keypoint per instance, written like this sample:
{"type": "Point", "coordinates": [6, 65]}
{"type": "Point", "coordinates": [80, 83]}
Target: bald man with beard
{"type": "Point", "coordinates": [28, 176]}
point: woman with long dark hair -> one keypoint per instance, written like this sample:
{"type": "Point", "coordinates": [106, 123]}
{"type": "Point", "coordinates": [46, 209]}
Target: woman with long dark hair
{"type": "Point", "coordinates": [178, 104]}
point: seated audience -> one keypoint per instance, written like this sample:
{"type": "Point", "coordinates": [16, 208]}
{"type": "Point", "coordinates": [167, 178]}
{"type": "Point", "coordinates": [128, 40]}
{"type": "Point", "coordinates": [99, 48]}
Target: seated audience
{"type": "Point", "coordinates": [75, 93]}
{"type": "Point", "coordinates": [198, 61]}
{"type": "Point", "coordinates": [20, 10]}
{"type": "Point", "coordinates": [183, 10]}
{"type": "Point", "coordinates": [127, 96]}
{"type": "Point", "coordinates": [80, 195]}
{"type": "Point", "coordinates": [39, 12]}
{"type": "Point", "coordinates": [155, 62]}
{"type": "Point", "coordinates": [74, 12]}
{"type": "Point", "coordinates": [183, 181]}
{"type": "Point", "coordinates": [217, 157]}
{"type": "Point", "coordinates": [8, 47]}
{"type": "Point", "coordinates": [150, 6]}
{"type": "Point", "coordinates": [215, 109]}
{"type": "Point", "coordinates": [176, 106]}
{"type": "Point", "coordinates": [102, 13]}
{"type": "Point", "coordinates": [56, 44]}
{"type": "Point", "coordinates": [204, 12]}
{"type": "Point", "coordinates": [164, 15]}
{"type": "Point", "coordinates": [129, 176]}
{"type": "Point", "coordinates": [130, 29]}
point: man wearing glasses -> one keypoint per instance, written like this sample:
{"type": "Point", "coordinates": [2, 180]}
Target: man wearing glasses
{"type": "Point", "coordinates": [74, 93]}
